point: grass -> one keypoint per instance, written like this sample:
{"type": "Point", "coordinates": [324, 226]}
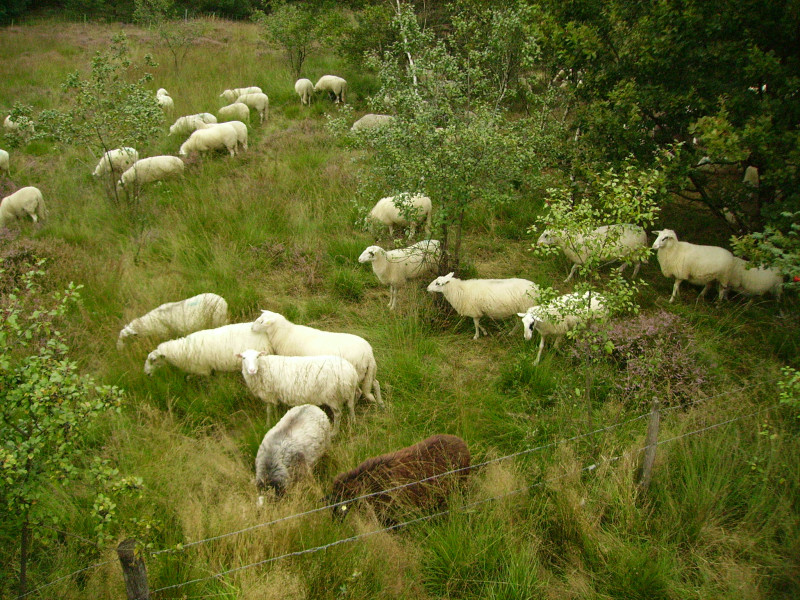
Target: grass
{"type": "Point", "coordinates": [275, 229]}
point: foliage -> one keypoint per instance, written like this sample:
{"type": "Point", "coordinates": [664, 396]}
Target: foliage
{"type": "Point", "coordinates": [369, 31]}
{"type": "Point", "coordinates": [790, 388]}
{"type": "Point", "coordinates": [777, 247]}
{"type": "Point", "coordinates": [177, 34]}
{"type": "Point", "coordinates": [293, 27]}
{"type": "Point", "coordinates": [22, 115]}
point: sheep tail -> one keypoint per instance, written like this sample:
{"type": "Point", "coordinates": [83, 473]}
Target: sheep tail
{"type": "Point", "coordinates": [41, 210]}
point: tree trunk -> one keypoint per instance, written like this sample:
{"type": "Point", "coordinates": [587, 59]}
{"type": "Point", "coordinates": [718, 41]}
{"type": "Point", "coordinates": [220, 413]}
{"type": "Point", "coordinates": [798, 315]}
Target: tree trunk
{"type": "Point", "coordinates": [24, 543]}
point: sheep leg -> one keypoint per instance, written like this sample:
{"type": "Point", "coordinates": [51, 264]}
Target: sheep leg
{"type": "Point", "coordinates": [571, 272]}
{"type": "Point", "coordinates": [622, 268]}
{"type": "Point", "coordinates": [376, 387]}
{"type": "Point", "coordinates": [675, 290]}
{"type": "Point", "coordinates": [351, 406]}
{"type": "Point", "coordinates": [478, 328]}
{"type": "Point", "coordinates": [392, 297]}
{"type": "Point", "coordinates": [539, 355]}
{"type": "Point", "coordinates": [723, 292]}
{"type": "Point", "coordinates": [702, 293]}
{"type": "Point", "coordinates": [337, 416]}
{"type": "Point", "coordinates": [636, 267]}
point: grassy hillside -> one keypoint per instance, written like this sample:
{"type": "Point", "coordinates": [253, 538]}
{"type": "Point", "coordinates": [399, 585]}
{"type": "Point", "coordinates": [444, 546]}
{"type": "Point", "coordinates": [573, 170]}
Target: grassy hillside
{"type": "Point", "coordinates": [275, 228]}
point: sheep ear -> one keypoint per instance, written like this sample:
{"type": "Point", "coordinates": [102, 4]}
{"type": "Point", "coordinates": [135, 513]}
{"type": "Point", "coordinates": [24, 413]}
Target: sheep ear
{"type": "Point", "coordinates": [263, 353]}
{"type": "Point", "coordinates": [450, 274]}
{"type": "Point", "coordinates": [239, 355]}
{"type": "Point", "coordinates": [655, 232]}
{"type": "Point", "coordinates": [521, 314]}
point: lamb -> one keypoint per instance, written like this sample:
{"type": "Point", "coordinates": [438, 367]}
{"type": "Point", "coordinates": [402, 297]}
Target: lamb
{"type": "Point", "coordinates": [258, 101]}
{"type": "Point", "coordinates": [4, 161]}
{"type": "Point", "coordinates": [371, 121]}
{"type": "Point", "coordinates": [24, 125]}
{"type": "Point", "coordinates": [403, 210]}
{"type": "Point", "coordinates": [240, 129]}
{"type": "Point", "coordinates": [294, 380]}
{"type": "Point", "coordinates": [238, 111]}
{"type": "Point", "coordinates": [495, 298]}
{"type": "Point", "coordinates": [164, 100]}
{"type": "Point", "coordinates": [699, 265]}
{"type": "Point", "coordinates": [208, 350]}
{"type": "Point", "coordinates": [395, 267]}
{"type": "Point", "coordinates": [204, 311]}
{"type": "Point", "coordinates": [115, 161]}
{"type": "Point", "coordinates": [335, 86]}
{"type": "Point", "coordinates": [230, 96]}
{"type": "Point", "coordinates": [755, 281]}
{"type": "Point", "coordinates": [304, 89]}
{"type": "Point", "coordinates": [612, 242]}
{"type": "Point", "coordinates": [288, 339]}
{"type": "Point", "coordinates": [25, 201]}
{"type": "Point", "coordinates": [425, 475]}
{"type": "Point", "coordinates": [561, 315]}
{"type": "Point", "coordinates": [291, 448]}
{"type": "Point", "coordinates": [150, 169]}
{"type": "Point", "coordinates": [216, 137]}
{"type": "Point", "coordinates": [186, 125]}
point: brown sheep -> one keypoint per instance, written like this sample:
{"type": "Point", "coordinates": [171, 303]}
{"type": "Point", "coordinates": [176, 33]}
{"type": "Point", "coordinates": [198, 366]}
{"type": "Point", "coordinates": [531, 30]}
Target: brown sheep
{"type": "Point", "coordinates": [436, 455]}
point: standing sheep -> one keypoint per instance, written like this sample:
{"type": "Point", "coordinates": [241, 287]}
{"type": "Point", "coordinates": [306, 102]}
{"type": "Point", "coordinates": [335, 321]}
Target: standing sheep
{"type": "Point", "coordinates": [494, 298]}
{"type": "Point", "coordinates": [291, 448]}
{"type": "Point", "coordinates": [215, 137]}
{"type": "Point", "coordinates": [230, 96]}
{"type": "Point", "coordinates": [4, 161]}
{"type": "Point", "coordinates": [304, 89]}
{"type": "Point", "coordinates": [208, 350]}
{"type": "Point", "coordinates": [238, 111]}
{"type": "Point", "coordinates": [395, 267]}
{"type": "Point", "coordinates": [115, 161]}
{"type": "Point", "coordinates": [150, 169]}
{"type": "Point", "coordinates": [755, 281]}
{"type": "Point", "coordinates": [239, 128]}
{"type": "Point", "coordinates": [699, 265]}
{"type": "Point", "coordinates": [288, 339]}
{"type": "Point", "coordinates": [422, 472]}
{"type": "Point", "coordinates": [204, 311]}
{"type": "Point", "coordinates": [403, 209]}
{"type": "Point", "coordinates": [25, 201]}
{"type": "Point", "coordinates": [165, 101]}
{"type": "Point", "coordinates": [371, 121]}
{"type": "Point", "coordinates": [335, 86]}
{"type": "Point", "coordinates": [257, 101]}
{"type": "Point", "coordinates": [24, 125]}
{"type": "Point", "coordinates": [189, 123]}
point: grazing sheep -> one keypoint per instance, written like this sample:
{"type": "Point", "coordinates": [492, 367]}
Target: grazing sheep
{"type": "Point", "coordinates": [294, 380]}
{"type": "Point", "coordinates": [238, 111]}
{"type": "Point", "coordinates": [215, 137]}
{"type": "Point", "coordinates": [189, 123]}
{"type": "Point", "coordinates": [204, 311]}
{"type": "Point", "coordinates": [25, 201]}
{"type": "Point", "coordinates": [239, 128]}
{"type": "Point", "coordinates": [370, 121]}
{"type": "Point", "coordinates": [116, 161]}
{"type": "Point", "coordinates": [208, 350]}
{"type": "Point", "coordinates": [403, 209]}
{"type": "Point", "coordinates": [288, 339]}
{"type": "Point", "coordinates": [4, 161]}
{"type": "Point", "coordinates": [257, 101]}
{"type": "Point", "coordinates": [755, 281]}
{"type": "Point", "coordinates": [561, 315]}
{"type": "Point", "coordinates": [230, 96]}
{"type": "Point", "coordinates": [150, 169]}
{"type": "Point", "coordinates": [395, 267]}
{"type": "Point", "coordinates": [335, 86]}
{"type": "Point", "coordinates": [612, 242]}
{"type": "Point", "coordinates": [291, 448]}
{"type": "Point", "coordinates": [304, 89]}
{"type": "Point", "coordinates": [699, 265]}
{"type": "Point", "coordinates": [164, 100]}
{"type": "Point", "coordinates": [431, 460]}
{"type": "Point", "coordinates": [494, 298]}
{"type": "Point", "coordinates": [24, 125]}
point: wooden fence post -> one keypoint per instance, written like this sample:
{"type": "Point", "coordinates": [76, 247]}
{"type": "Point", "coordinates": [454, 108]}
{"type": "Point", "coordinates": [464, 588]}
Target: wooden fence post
{"type": "Point", "coordinates": [133, 570]}
{"type": "Point", "coordinates": [646, 469]}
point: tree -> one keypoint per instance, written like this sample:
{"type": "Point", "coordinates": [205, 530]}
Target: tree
{"type": "Point", "coordinates": [293, 28]}
{"type": "Point", "coordinates": [176, 34]}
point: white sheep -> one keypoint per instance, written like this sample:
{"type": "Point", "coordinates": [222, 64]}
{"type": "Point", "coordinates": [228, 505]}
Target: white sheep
{"type": "Point", "coordinates": [164, 100]}
{"type": "Point", "coordinates": [208, 350]}
{"type": "Point", "coordinates": [257, 101]}
{"type": "Point", "coordinates": [25, 201]}
{"type": "Point", "coordinates": [335, 86]}
{"type": "Point", "coordinates": [288, 339]}
{"type": "Point", "coordinates": [294, 380]}
{"type": "Point", "coordinates": [204, 311]}
{"type": "Point", "coordinates": [371, 121]}
{"type": "Point", "coordinates": [116, 160]}
{"type": "Point", "coordinates": [238, 111]}
{"type": "Point", "coordinates": [240, 129]}
{"type": "Point", "coordinates": [305, 89]}
{"type": "Point", "coordinates": [563, 314]}
{"type": "Point", "coordinates": [215, 137]}
{"type": "Point", "coordinates": [189, 123]}
{"type": "Point", "coordinates": [147, 170]}
{"type": "Point", "coordinates": [24, 125]}
{"type": "Point", "coordinates": [755, 281]}
{"type": "Point", "coordinates": [291, 448]}
{"type": "Point", "coordinates": [403, 210]}
{"type": "Point", "coordinates": [395, 267]}
{"type": "Point", "coordinates": [4, 161]}
{"type": "Point", "coordinates": [230, 96]}
{"type": "Point", "coordinates": [699, 265]}
{"type": "Point", "coordinates": [494, 298]}
{"type": "Point", "coordinates": [611, 242]}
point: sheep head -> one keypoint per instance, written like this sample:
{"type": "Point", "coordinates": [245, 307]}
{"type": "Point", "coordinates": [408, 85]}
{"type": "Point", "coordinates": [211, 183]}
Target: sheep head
{"type": "Point", "coordinates": [267, 321]}
{"type": "Point", "coordinates": [126, 332]}
{"type": "Point", "coordinates": [370, 254]}
{"type": "Point", "coordinates": [437, 285]}
{"type": "Point", "coordinates": [249, 361]}
{"type": "Point", "coordinates": [154, 360]}
{"type": "Point", "coordinates": [664, 239]}
{"type": "Point", "coordinates": [529, 320]}
{"type": "Point", "coordinates": [548, 238]}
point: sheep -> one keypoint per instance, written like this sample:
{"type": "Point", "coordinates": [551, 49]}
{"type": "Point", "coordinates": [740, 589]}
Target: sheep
{"type": "Point", "coordinates": [204, 311]}
{"type": "Point", "coordinates": [425, 475]}
{"type": "Point", "coordinates": [288, 339]}
{"type": "Point", "coordinates": [238, 111]}
{"type": "Point", "coordinates": [291, 448]}
{"type": "Point", "coordinates": [186, 125]}
{"type": "Point", "coordinates": [755, 281]}
{"type": "Point", "coordinates": [257, 101]}
{"type": "Point", "coordinates": [395, 267]}
{"type": "Point", "coordinates": [403, 209]}
{"type": "Point", "coordinates": [115, 161]}
{"type": "Point", "coordinates": [240, 129]}
{"type": "Point", "coordinates": [24, 125]}
{"type": "Point", "coordinates": [164, 100]}
{"type": "Point", "coordinates": [216, 137]}
{"type": "Point", "coordinates": [495, 298]}
{"type": "Point", "coordinates": [371, 121]}
{"type": "Point", "coordinates": [294, 380]}
{"type": "Point", "coordinates": [25, 201]}
{"type": "Point", "coordinates": [305, 89]}
{"type": "Point", "coordinates": [230, 96]}
{"type": "Point", "coordinates": [208, 350]}
{"type": "Point", "coordinates": [557, 317]}
{"type": "Point", "coordinates": [699, 265]}
{"type": "Point", "coordinates": [147, 170]}
{"type": "Point", "coordinates": [612, 242]}
{"type": "Point", "coordinates": [335, 86]}
{"type": "Point", "coordinates": [4, 161]}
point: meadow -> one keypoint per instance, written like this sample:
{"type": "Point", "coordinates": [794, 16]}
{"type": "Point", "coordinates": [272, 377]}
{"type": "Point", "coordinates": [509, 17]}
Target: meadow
{"type": "Point", "coordinates": [278, 228]}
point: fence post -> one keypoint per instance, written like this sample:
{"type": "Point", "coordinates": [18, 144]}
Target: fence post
{"type": "Point", "coordinates": [133, 570]}
{"type": "Point", "coordinates": [646, 469]}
